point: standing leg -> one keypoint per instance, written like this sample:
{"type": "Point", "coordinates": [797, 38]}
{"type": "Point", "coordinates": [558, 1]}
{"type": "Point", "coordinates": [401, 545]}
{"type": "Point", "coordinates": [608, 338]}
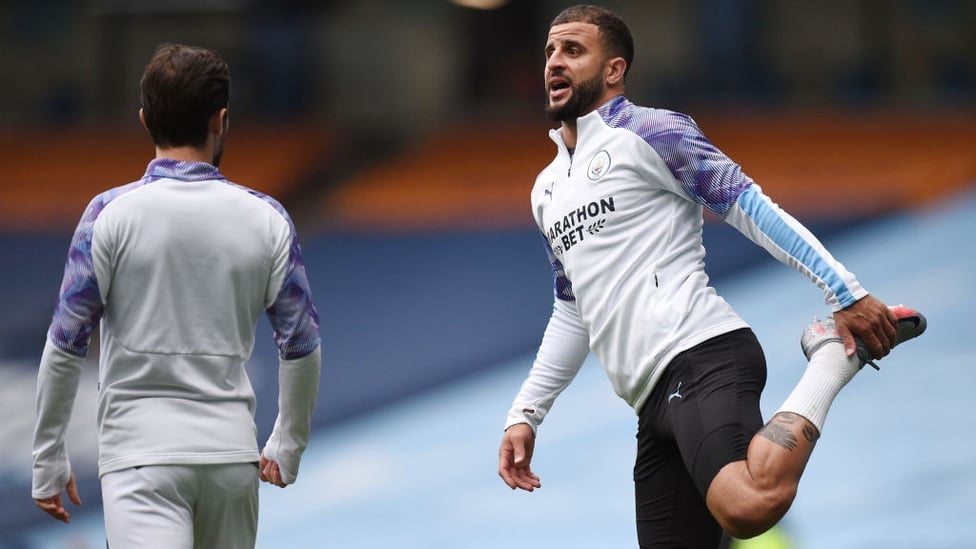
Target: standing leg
{"type": "Point", "coordinates": [227, 510]}
{"type": "Point", "coordinates": [670, 511]}
{"type": "Point", "coordinates": [146, 507]}
{"type": "Point", "coordinates": [700, 416]}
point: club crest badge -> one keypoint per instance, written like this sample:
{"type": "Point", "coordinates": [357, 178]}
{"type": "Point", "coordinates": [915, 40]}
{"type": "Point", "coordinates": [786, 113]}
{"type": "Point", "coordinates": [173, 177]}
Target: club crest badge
{"type": "Point", "coordinates": [599, 165]}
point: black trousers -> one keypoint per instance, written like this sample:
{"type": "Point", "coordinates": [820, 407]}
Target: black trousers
{"type": "Point", "coordinates": [701, 415]}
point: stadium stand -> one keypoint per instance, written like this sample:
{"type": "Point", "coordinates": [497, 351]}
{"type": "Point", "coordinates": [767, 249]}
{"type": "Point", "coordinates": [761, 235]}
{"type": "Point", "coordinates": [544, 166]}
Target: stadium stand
{"type": "Point", "coordinates": [49, 176]}
{"type": "Point", "coordinates": [821, 165]}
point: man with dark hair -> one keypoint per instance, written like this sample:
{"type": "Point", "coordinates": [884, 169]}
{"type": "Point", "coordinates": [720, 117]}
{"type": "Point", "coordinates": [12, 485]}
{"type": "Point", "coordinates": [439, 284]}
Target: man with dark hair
{"type": "Point", "coordinates": [177, 104]}
{"type": "Point", "coordinates": [620, 209]}
{"type": "Point", "coordinates": [177, 267]}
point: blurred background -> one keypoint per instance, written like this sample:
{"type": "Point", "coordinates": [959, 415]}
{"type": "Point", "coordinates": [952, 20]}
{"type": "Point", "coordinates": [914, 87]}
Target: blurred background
{"type": "Point", "coordinates": [404, 137]}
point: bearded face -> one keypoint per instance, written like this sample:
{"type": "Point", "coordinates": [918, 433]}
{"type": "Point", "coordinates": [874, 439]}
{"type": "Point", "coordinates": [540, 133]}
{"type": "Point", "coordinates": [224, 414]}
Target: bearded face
{"type": "Point", "coordinates": [582, 98]}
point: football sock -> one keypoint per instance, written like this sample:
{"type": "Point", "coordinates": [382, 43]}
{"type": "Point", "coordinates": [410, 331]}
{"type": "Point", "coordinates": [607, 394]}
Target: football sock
{"type": "Point", "coordinates": [829, 370]}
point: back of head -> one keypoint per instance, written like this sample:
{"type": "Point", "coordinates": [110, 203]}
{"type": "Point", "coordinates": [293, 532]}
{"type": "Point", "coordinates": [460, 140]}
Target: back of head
{"type": "Point", "coordinates": [183, 86]}
{"type": "Point", "coordinates": [614, 32]}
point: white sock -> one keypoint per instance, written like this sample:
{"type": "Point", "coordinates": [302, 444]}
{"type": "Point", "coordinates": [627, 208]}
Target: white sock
{"type": "Point", "coordinates": [829, 370]}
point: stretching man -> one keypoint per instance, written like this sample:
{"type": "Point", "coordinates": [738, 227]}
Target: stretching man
{"type": "Point", "coordinates": [620, 209]}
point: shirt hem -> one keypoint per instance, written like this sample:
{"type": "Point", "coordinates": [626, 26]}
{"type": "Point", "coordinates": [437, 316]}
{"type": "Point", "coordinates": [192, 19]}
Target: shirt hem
{"type": "Point", "coordinates": [177, 458]}
{"type": "Point", "coordinates": [664, 361]}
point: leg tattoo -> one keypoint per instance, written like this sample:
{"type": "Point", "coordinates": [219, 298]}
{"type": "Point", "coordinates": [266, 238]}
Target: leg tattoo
{"type": "Point", "coordinates": [779, 430]}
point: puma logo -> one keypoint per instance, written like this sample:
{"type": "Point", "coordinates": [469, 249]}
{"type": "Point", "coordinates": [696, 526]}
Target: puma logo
{"type": "Point", "coordinates": [676, 393]}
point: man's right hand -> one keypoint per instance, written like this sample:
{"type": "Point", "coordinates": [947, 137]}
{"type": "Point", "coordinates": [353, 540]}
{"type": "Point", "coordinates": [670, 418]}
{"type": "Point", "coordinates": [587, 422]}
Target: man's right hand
{"type": "Point", "coordinates": [54, 505]}
{"type": "Point", "coordinates": [514, 457]}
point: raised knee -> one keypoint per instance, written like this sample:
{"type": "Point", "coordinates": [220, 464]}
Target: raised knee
{"type": "Point", "coordinates": [748, 517]}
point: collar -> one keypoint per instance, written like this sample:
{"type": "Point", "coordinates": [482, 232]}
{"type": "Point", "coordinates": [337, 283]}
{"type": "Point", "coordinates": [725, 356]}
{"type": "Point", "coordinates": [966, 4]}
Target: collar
{"type": "Point", "coordinates": [167, 168]}
{"type": "Point", "coordinates": [598, 115]}
{"type": "Point", "coordinates": [612, 107]}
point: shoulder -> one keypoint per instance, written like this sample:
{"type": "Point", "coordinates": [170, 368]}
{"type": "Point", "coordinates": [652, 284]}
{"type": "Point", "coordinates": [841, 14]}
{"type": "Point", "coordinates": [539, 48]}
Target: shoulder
{"type": "Point", "coordinates": [259, 200]}
{"type": "Point", "coordinates": [651, 124]}
{"type": "Point", "coordinates": [102, 200]}
{"type": "Point", "coordinates": [257, 197]}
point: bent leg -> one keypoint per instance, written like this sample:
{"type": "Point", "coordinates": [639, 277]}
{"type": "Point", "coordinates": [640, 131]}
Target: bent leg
{"type": "Point", "coordinates": [750, 496]}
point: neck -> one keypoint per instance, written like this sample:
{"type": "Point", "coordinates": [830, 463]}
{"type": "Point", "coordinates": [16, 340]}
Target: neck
{"type": "Point", "coordinates": [187, 153]}
{"type": "Point", "coordinates": [569, 133]}
{"type": "Point", "coordinates": [569, 126]}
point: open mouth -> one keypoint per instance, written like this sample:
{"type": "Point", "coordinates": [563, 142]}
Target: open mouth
{"type": "Point", "coordinates": [558, 87]}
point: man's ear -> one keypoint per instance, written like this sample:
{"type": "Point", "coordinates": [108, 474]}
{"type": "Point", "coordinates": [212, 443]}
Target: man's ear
{"type": "Point", "coordinates": [616, 69]}
{"type": "Point", "coordinates": [142, 119]}
{"type": "Point", "coordinates": [219, 122]}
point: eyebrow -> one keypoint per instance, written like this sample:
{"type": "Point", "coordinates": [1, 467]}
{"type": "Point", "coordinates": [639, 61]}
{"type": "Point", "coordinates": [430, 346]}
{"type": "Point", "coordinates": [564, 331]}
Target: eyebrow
{"type": "Point", "coordinates": [551, 43]}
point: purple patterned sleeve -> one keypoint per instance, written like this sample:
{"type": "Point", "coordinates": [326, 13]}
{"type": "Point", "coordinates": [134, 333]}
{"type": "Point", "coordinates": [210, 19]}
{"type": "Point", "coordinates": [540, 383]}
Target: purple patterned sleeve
{"type": "Point", "coordinates": [706, 174]}
{"type": "Point", "coordinates": [562, 286]}
{"type": "Point", "coordinates": [79, 305]}
{"type": "Point", "coordinates": [709, 176]}
{"type": "Point", "coordinates": [293, 316]}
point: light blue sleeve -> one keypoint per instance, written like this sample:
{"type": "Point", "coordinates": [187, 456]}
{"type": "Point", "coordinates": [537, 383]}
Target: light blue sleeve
{"type": "Point", "coordinates": [709, 177]}
{"type": "Point", "coordinates": [786, 239]}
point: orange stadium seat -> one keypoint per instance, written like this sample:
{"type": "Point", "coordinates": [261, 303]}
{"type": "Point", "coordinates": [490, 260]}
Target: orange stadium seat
{"type": "Point", "coordinates": [47, 177]}
{"type": "Point", "coordinates": [814, 164]}
{"type": "Point", "coordinates": [475, 177]}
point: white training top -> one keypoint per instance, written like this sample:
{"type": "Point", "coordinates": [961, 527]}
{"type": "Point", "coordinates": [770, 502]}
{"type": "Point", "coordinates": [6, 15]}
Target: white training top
{"type": "Point", "coordinates": [622, 218]}
{"type": "Point", "coordinates": [178, 267]}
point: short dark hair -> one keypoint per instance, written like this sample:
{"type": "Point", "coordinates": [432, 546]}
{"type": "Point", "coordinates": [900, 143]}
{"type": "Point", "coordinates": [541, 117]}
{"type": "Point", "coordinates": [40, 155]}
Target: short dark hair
{"type": "Point", "coordinates": [183, 86]}
{"type": "Point", "coordinates": [614, 33]}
